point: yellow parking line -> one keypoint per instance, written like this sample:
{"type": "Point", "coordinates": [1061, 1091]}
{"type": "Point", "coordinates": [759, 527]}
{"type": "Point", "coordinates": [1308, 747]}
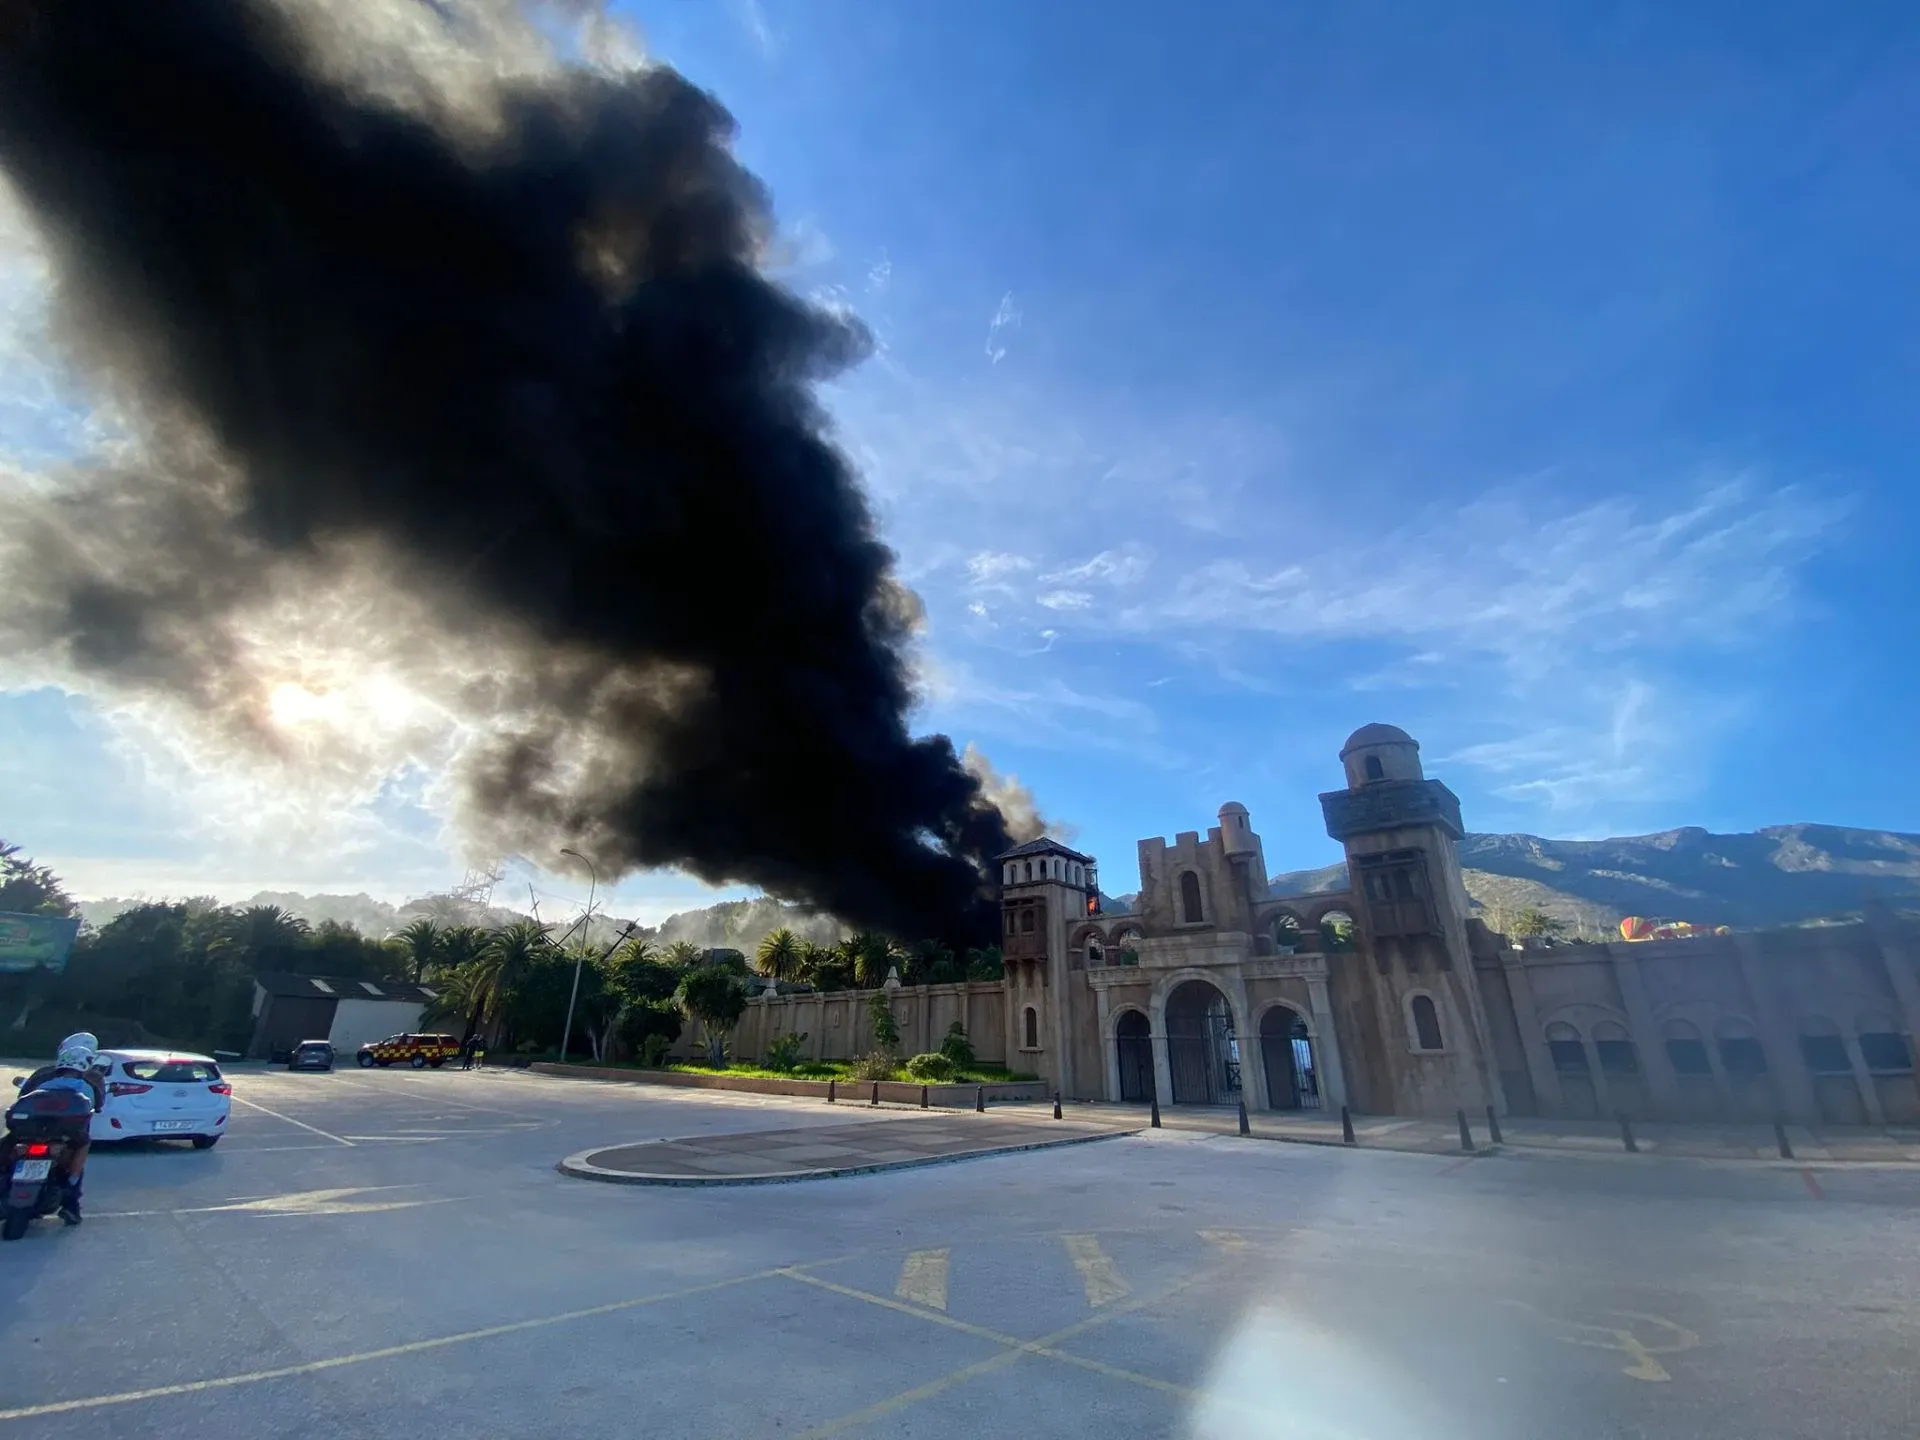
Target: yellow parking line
{"type": "Point", "coordinates": [923, 1279]}
{"type": "Point", "coordinates": [998, 1337]}
{"type": "Point", "coordinates": [1097, 1271]}
{"type": "Point", "coordinates": [390, 1352]}
{"type": "Point", "coordinates": [256, 1105]}
{"type": "Point", "coordinates": [1042, 1346]}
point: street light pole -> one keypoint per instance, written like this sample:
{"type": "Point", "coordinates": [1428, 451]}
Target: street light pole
{"type": "Point", "coordinates": [580, 955]}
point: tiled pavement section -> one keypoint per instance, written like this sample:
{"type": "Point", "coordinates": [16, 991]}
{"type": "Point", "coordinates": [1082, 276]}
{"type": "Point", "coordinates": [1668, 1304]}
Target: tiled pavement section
{"type": "Point", "coordinates": [1890, 1145]}
{"type": "Point", "coordinates": [825, 1150]}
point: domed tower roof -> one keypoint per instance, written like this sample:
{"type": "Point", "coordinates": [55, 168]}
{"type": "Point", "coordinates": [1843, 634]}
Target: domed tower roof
{"type": "Point", "coordinates": [1233, 807]}
{"type": "Point", "coordinates": [1377, 734]}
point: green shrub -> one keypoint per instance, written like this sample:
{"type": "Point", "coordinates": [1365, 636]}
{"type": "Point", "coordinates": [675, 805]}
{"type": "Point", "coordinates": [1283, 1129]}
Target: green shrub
{"type": "Point", "coordinates": [934, 1066]}
{"type": "Point", "coordinates": [653, 1050]}
{"type": "Point", "coordinates": [783, 1054]}
{"type": "Point", "coordinates": [957, 1047]}
{"type": "Point", "coordinates": [886, 1030]}
{"type": "Point", "coordinates": [875, 1065]}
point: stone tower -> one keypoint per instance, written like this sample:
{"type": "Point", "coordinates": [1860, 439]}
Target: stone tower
{"type": "Point", "coordinates": [1045, 890]}
{"type": "Point", "coordinates": [1401, 832]}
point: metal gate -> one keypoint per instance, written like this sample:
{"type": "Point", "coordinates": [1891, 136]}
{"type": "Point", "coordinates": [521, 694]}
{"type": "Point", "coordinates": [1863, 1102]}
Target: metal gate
{"type": "Point", "coordinates": [1293, 1080]}
{"type": "Point", "coordinates": [1135, 1046]}
{"type": "Point", "coordinates": [1204, 1056]}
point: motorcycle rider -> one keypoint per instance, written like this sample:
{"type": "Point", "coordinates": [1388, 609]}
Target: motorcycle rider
{"type": "Point", "coordinates": [75, 1067]}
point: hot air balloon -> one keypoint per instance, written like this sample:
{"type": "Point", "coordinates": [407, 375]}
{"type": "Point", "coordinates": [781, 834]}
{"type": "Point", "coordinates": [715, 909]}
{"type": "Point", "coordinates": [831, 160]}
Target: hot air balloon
{"type": "Point", "coordinates": [1638, 927]}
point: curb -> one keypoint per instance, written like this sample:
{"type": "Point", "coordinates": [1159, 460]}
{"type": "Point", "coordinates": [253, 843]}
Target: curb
{"type": "Point", "coordinates": [581, 1168]}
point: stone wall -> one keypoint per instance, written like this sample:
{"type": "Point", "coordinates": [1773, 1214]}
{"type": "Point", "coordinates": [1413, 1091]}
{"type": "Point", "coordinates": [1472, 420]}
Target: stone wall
{"type": "Point", "coordinates": [1813, 1025]}
{"type": "Point", "coordinates": [837, 1027]}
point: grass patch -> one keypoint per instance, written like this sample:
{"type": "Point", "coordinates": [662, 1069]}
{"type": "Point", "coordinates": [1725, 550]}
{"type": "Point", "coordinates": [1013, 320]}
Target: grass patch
{"type": "Point", "coordinates": [841, 1070]}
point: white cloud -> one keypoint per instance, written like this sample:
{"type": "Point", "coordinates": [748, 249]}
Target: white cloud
{"type": "Point", "coordinates": [753, 20]}
{"type": "Point", "coordinates": [1005, 317]}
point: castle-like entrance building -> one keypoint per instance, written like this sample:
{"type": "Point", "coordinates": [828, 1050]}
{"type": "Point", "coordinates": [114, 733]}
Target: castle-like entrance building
{"type": "Point", "coordinates": [1391, 997]}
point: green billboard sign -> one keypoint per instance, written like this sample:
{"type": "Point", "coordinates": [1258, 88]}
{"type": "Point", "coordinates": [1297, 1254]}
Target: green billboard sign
{"type": "Point", "coordinates": [30, 942]}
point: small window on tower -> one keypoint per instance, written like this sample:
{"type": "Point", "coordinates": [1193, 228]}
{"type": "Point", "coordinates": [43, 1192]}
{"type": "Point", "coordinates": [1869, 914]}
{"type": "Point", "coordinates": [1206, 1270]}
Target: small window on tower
{"type": "Point", "coordinates": [1426, 1023]}
{"type": "Point", "coordinates": [1375, 770]}
{"type": "Point", "coordinates": [1190, 910]}
{"type": "Point", "coordinates": [1033, 1028]}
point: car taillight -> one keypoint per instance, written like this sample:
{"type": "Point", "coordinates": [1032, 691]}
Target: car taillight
{"type": "Point", "coordinates": [221, 1088]}
{"type": "Point", "coordinates": [38, 1150]}
{"type": "Point", "coordinates": [121, 1087]}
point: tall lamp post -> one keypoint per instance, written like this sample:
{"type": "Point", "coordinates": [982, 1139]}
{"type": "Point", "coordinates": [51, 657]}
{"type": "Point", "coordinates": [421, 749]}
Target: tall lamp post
{"type": "Point", "coordinates": [580, 955]}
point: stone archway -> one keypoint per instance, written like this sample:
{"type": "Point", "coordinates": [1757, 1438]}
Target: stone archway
{"type": "Point", "coordinates": [1286, 1050]}
{"type": "Point", "coordinates": [1133, 1048]}
{"type": "Point", "coordinates": [1203, 1053]}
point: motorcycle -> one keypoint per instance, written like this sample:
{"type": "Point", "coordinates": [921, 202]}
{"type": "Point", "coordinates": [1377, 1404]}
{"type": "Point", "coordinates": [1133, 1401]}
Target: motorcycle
{"type": "Point", "coordinates": [42, 1130]}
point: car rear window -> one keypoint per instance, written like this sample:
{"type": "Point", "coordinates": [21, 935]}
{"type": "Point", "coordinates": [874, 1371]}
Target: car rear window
{"type": "Point", "coordinates": [171, 1072]}
{"type": "Point", "coordinates": [315, 1045]}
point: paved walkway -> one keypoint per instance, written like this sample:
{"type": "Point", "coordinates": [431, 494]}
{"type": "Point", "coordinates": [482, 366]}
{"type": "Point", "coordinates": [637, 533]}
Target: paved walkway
{"type": "Point", "coordinates": [816, 1152]}
{"type": "Point", "coordinates": [1895, 1145]}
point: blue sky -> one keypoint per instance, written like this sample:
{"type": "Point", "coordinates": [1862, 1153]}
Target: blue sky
{"type": "Point", "coordinates": [1535, 377]}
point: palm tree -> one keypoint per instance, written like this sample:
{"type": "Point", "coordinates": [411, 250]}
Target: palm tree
{"type": "Point", "coordinates": [779, 955]}
{"type": "Point", "coordinates": [458, 996]}
{"type": "Point", "coordinates": [872, 955]}
{"type": "Point", "coordinates": [929, 962]}
{"type": "Point", "coordinates": [420, 942]}
{"type": "Point", "coordinates": [985, 963]}
{"type": "Point", "coordinates": [509, 955]}
{"type": "Point", "coordinates": [683, 953]}
{"type": "Point", "coordinates": [261, 930]}
{"type": "Point", "coordinates": [717, 999]}
{"type": "Point", "coordinates": [460, 944]}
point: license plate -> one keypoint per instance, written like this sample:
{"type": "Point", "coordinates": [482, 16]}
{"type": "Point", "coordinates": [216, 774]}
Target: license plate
{"type": "Point", "coordinates": [160, 1125]}
{"type": "Point", "coordinates": [31, 1169]}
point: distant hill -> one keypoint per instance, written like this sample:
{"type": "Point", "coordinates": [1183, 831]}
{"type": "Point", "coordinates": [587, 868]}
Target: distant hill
{"type": "Point", "coordinates": [734, 924]}
{"type": "Point", "coordinates": [1782, 875]}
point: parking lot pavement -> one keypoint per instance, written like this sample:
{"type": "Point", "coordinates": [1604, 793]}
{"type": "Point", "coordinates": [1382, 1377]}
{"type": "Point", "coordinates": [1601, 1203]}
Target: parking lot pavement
{"type": "Point", "coordinates": [368, 1250]}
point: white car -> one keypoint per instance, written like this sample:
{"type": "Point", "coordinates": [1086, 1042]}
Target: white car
{"type": "Point", "coordinates": [163, 1095]}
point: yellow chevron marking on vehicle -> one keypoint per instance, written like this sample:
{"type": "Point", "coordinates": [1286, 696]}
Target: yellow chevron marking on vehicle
{"type": "Point", "coordinates": [1097, 1271]}
{"type": "Point", "coordinates": [923, 1279]}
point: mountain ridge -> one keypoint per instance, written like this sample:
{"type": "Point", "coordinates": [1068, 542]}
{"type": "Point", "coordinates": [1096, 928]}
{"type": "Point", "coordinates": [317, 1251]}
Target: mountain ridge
{"type": "Point", "coordinates": [1777, 875]}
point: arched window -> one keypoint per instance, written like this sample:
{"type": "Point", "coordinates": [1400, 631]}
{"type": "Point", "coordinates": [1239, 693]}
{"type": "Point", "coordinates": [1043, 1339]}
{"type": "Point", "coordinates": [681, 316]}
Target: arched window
{"type": "Point", "coordinates": [1190, 909]}
{"type": "Point", "coordinates": [1883, 1045]}
{"type": "Point", "coordinates": [1374, 769]}
{"type": "Point", "coordinates": [1563, 1043]}
{"type": "Point", "coordinates": [1096, 952]}
{"type": "Point", "coordinates": [1033, 1028]}
{"type": "Point", "coordinates": [1426, 1023]}
{"type": "Point", "coordinates": [1822, 1048]}
{"type": "Point", "coordinates": [1026, 921]}
{"type": "Point", "coordinates": [1615, 1049]}
{"type": "Point", "coordinates": [1686, 1051]}
{"type": "Point", "coordinates": [1012, 922]}
{"type": "Point", "coordinates": [1740, 1050]}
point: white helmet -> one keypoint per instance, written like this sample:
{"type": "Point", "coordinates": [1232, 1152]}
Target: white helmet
{"type": "Point", "coordinates": [77, 1052]}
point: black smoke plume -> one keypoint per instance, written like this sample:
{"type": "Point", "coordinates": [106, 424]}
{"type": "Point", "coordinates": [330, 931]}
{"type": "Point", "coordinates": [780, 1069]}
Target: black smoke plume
{"type": "Point", "coordinates": [499, 338]}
